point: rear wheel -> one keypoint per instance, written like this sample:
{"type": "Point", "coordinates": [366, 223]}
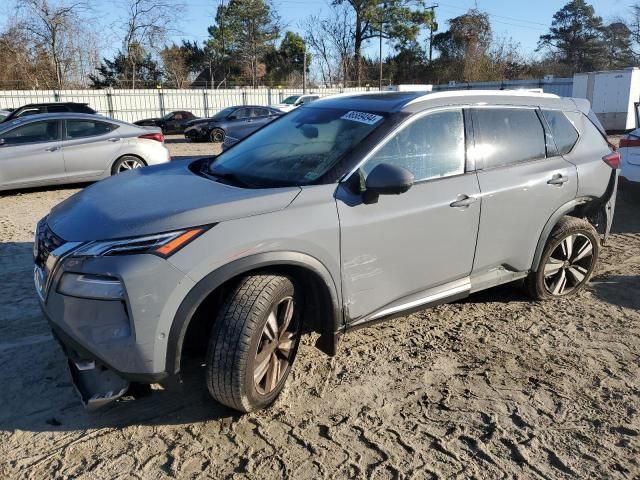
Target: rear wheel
{"type": "Point", "coordinates": [254, 342]}
{"type": "Point", "coordinates": [216, 135]}
{"type": "Point", "coordinates": [126, 163]}
{"type": "Point", "coordinates": [568, 260]}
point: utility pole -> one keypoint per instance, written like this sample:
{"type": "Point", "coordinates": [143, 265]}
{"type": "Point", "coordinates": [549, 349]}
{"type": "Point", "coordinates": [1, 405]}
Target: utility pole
{"type": "Point", "coordinates": [433, 11]}
{"type": "Point", "coordinates": [304, 68]}
{"type": "Point", "coordinates": [384, 8]}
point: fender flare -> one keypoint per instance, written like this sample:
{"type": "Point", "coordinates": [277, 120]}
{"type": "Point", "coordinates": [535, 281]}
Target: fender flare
{"type": "Point", "coordinates": [331, 329]}
{"type": "Point", "coordinates": [551, 223]}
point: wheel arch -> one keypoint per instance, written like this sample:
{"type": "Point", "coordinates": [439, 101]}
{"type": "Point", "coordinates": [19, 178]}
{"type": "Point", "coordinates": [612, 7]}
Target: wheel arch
{"type": "Point", "coordinates": [580, 207]}
{"type": "Point", "coordinates": [303, 268]}
{"type": "Point", "coordinates": [120, 157]}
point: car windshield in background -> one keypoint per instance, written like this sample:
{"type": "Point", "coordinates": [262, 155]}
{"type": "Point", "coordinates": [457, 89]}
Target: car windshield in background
{"type": "Point", "coordinates": [223, 113]}
{"type": "Point", "coordinates": [291, 100]}
{"type": "Point", "coordinates": [297, 149]}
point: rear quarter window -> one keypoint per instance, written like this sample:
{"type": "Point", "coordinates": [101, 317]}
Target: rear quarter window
{"type": "Point", "coordinates": [507, 136]}
{"type": "Point", "coordinates": [564, 133]}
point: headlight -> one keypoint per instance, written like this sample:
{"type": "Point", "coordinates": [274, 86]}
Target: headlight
{"type": "Point", "coordinates": [91, 286]}
{"type": "Point", "coordinates": [162, 244]}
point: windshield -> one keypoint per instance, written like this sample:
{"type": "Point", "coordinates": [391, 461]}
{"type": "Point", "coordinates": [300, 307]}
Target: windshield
{"type": "Point", "coordinates": [168, 116]}
{"type": "Point", "coordinates": [223, 113]}
{"type": "Point", "coordinates": [296, 149]}
{"type": "Point", "coordinates": [291, 100]}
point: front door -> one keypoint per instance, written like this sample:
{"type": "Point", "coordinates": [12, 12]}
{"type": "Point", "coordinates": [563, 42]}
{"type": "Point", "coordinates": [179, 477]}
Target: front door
{"type": "Point", "coordinates": [30, 154]}
{"type": "Point", "coordinates": [406, 244]}
{"type": "Point", "coordinates": [523, 182]}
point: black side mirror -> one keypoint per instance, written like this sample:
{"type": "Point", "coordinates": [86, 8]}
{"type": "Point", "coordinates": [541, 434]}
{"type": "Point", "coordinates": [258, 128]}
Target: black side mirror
{"type": "Point", "coordinates": [232, 117]}
{"type": "Point", "coordinates": [386, 179]}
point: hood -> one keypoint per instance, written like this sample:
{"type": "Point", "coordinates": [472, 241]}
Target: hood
{"type": "Point", "coordinates": [158, 199]}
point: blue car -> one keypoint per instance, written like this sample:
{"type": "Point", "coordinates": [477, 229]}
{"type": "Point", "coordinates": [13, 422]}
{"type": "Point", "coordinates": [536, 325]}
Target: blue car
{"type": "Point", "coordinates": [236, 122]}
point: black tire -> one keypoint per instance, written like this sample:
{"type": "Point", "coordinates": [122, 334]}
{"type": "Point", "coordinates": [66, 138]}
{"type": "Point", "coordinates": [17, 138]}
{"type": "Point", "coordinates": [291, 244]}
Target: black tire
{"type": "Point", "coordinates": [118, 166]}
{"type": "Point", "coordinates": [216, 135]}
{"type": "Point", "coordinates": [565, 270]}
{"type": "Point", "coordinates": [240, 334]}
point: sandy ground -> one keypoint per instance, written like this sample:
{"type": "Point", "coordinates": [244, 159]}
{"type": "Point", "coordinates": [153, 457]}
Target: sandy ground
{"type": "Point", "coordinates": [491, 387]}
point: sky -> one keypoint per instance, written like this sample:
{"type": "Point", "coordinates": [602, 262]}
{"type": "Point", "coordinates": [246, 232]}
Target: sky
{"type": "Point", "coordinates": [522, 20]}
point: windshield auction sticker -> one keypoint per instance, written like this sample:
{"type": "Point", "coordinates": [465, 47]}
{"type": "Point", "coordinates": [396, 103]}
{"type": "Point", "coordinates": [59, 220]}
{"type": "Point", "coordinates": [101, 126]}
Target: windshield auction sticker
{"type": "Point", "coordinates": [362, 117]}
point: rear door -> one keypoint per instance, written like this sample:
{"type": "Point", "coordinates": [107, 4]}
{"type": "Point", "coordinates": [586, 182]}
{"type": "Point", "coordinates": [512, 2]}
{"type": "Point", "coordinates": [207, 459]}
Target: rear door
{"type": "Point", "coordinates": [90, 147]}
{"type": "Point", "coordinates": [523, 181]}
{"type": "Point", "coordinates": [31, 154]}
{"type": "Point", "coordinates": [406, 244]}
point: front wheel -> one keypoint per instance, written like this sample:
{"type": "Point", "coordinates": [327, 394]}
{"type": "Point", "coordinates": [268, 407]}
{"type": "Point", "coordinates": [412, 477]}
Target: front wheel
{"type": "Point", "coordinates": [254, 342]}
{"type": "Point", "coordinates": [217, 135]}
{"type": "Point", "coordinates": [568, 260]}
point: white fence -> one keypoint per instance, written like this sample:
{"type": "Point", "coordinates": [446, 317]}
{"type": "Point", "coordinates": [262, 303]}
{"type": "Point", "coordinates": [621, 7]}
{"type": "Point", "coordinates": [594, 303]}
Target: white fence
{"type": "Point", "coordinates": [132, 105]}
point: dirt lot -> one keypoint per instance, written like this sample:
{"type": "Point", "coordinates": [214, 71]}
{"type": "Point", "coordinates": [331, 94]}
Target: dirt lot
{"type": "Point", "coordinates": [491, 387]}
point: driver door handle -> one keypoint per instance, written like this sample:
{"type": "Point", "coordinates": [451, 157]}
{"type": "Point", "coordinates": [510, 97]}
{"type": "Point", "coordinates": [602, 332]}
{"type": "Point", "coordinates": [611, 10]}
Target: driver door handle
{"type": "Point", "coordinates": [463, 201]}
{"type": "Point", "coordinates": [52, 149]}
{"type": "Point", "coordinates": [558, 179]}
{"type": "Point", "coordinates": [113, 139]}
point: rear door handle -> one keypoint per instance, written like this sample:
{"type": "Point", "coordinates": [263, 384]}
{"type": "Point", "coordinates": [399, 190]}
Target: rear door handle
{"type": "Point", "coordinates": [113, 139]}
{"type": "Point", "coordinates": [558, 180]}
{"type": "Point", "coordinates": [463, 201]}
{"type": "Point", "coordinates": [52, 149]}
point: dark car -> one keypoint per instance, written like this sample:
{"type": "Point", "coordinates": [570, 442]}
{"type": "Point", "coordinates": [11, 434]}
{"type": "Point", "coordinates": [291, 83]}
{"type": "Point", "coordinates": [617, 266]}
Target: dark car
{"type": "Point", "coordinates": [53, 107]}
{"type": "Point", "coordinates": [172, 122]}
{"type": "Point", "coordinates": [237, 122]}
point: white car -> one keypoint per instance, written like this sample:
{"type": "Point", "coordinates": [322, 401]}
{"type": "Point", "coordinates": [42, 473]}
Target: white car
{"type": "Point", "coordinates": [630, 157]}
{"type": "Point", "coordinates": [58, 148]}
{"type": "Point", "coordinates": [294, 101]}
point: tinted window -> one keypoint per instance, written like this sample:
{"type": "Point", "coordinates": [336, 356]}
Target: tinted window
{"type": "Point", "coordinates": [87, 128]}
{"type": "Point", "coordinates": [430, 147]}
{"type": "Point", "coordinates": [564, 134]}
{"type": "Point", "coordinates": [57, 109]}
{"type": "Point", "coordinates": [46, 131]}
{"type": "Point", "coordinates": [509, 135]}
{"type": "Point", "coordinates": [242, 113]}
{"type": "Point", "coordinates": [177, 116]}
{"type": "Point", "coordinates": [260, 112]}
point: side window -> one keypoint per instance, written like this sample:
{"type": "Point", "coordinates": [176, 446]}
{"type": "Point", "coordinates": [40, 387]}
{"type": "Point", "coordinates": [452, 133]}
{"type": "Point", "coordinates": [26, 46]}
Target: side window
{"type": "Point", "coordinates": [177, 116]}
{"type": "Point", "coordinates": [564, 133]}
{"type": "Point", "coordinates": [35, 132]}
{"type": "Point", "coordinates": [430, 147]}
{"type": "Point", "coordinates": [87, 128]}
{"type": "Point", "coordinates": [242, 113]}
{"type": "Point", "coordinates": [509, 135]}
{"type": "Point", "coordinates": [260, 112]}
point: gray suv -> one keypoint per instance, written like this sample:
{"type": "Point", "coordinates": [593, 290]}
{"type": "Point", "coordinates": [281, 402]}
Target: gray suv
{"type": "Point", "coordinates": [343, 213]}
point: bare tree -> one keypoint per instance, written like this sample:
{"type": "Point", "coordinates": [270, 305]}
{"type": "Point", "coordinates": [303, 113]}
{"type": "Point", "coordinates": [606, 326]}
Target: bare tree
{"type": "Point", "coordinates": [56, 26]}
{"type": "Point", "coordinates": [147, 24]}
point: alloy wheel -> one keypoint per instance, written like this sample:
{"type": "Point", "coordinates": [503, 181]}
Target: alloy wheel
{"type": "Point", "coordinates": [129, 164]}
{"type": "Point", "coordinates": [276, 347]}
{"type": "Point", "coordinates": [569, 264]}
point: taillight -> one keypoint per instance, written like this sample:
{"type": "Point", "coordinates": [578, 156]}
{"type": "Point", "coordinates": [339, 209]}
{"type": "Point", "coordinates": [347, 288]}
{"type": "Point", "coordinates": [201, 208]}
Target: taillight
{"type": "Point", "coordinates": [158, 137]}
{"type": "Point", "coordinates": [613, 159]}
{"type": "Point", "coordinates": [630, 142]}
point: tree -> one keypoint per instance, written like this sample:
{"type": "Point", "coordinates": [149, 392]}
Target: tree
{"type": "Point", "coordinates": [175, 64]}
{"type": "Point", "coordinates": [117, 72]}
{"type": "Point", "coordinates": [393, 19]}
{"type": "Point", "coordinates": [146, 25]}
{"type": "Point", "coordinates": [288, 61]}
{"type": "Point", "coordinates": [618, 45]}
{"type": "Point", "coordinates": [245, 31]}
{"type": "Point", "coordinates": [575, 38]}
{"type": "Point", "coordinates": [56, 26]}
{"type": "Point", "coordinates": [464, 47]}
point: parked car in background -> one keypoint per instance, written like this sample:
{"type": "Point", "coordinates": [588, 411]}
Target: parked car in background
{"type": "Point", "coordinates": [339, 215]}
{"type": "Point", "coordinates": [630, 160]}
{"type": "Point", "coordinates": [4, 114]}
{"type": "Point", "coordinates": [172, 122]}
{"type": "Point", "coordinates": [295, 101]}
{"type": "Point", "coordinates": [235, 121]}
{"type": "Point", "coordinates": [52, 107]}
{"type": "Point", "coordinates": [57, 148]}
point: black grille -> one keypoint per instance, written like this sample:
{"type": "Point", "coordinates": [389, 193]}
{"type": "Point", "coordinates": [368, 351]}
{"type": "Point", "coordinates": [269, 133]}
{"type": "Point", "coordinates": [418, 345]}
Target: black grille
{"type": "Point", "coordinates": [46, 242]}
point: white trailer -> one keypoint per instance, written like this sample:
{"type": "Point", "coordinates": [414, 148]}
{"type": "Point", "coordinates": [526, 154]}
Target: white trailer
{"type": "Point", "coordinates": [613, 96]}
